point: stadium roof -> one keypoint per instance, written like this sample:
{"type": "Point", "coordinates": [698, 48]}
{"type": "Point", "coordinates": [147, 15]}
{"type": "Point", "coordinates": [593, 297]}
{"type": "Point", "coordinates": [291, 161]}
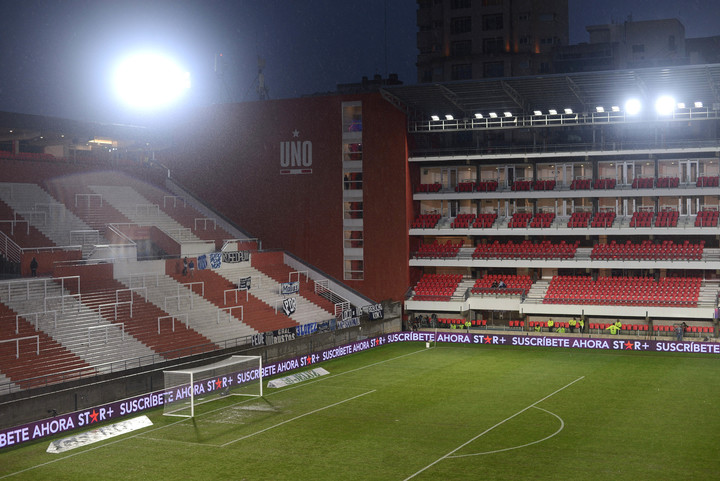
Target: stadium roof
{"type": "Point", "coordinates": [582, 92]}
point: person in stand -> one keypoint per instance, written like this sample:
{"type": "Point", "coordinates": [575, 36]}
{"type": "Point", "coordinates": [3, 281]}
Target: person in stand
{"type": "Point", "coordinates": [678, 332]}
{"type": "Point", "coordinates": [502, 284]}
{"type": "Point", "coordinates": [571, 324]}
{"type": "Point", "coordinates": [191, 266]}
{"type": "Point", "coordinates": [581, 325]}
{"type": "Point", "coordinates": [613, 328]}
{"type": "Point", "coordinates": [33, 267]}
{"type": "Point", "coordinates": [550, 324]}
{"type": "Point", "coordinates": [495, 285]}
{"type": "Point", "coordinates": [185, 266]}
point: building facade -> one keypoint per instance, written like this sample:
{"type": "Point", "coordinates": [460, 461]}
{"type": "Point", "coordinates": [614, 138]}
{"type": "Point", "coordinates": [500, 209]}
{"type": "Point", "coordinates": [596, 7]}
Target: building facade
{"type": "Point", "coordinates": [463, 39]}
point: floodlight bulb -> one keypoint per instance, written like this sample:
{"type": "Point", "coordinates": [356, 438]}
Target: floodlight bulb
{"type": "Point", "coordinates": [599, 109]}
{"type": "Point", "coordinates": [552, 112]}
{"type": "Point", "coordinates": [568, 111]}
{"type": "Point", "coordinates": [698, 105]}
{"type": "Point", "coordinates": [493, 115]}
{"type": "Point", "coordinates": [149, 80]}
{"type": "Point", "coordinates": [665, 105]}
{"type": "Point", "coordinates": [478, 116]}
{"type": "Point", "coordinates": [449, 117]}
{"type": "Point", "coordinates": [633, 107]}
{"type": "Point", "coordinates": [537, 112]}
{"type": "Point", "coordinates": [435, 117]}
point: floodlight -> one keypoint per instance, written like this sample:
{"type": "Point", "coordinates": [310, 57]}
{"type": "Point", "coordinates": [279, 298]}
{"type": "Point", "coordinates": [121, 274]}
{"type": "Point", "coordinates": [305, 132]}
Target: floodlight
{"type": "Point", "coordinates": [615, 108]}
{"type": "Point", "coordinates": [665, 105]}
{"type": "Point", "coordinates": [493, 115]}
{"type": "Point", "coordinates": [633, 107]}
{"type": "Point", "coordinates": [681, 105]}
{"type": "Point", "coordinates": [478, 116]}
{"type": "Point", "coordinates": [434, 117]}
{"type": "Point", "coordinates": [568, 111]}
{"type": "Point", "coordinates": [150, 80]}
{"type": "Point", "coordinates": [552, 112]}
{"type": "Point", "coordinates": [698, 105]}
{"type": "Point", "coordinates": [449, 117]}
{"type": "Point", "coordinates": [599, 109]}
{"type": "Point", "coordinates": [507, 114]}
{"type": "Point", "coordinates": [537, 112]}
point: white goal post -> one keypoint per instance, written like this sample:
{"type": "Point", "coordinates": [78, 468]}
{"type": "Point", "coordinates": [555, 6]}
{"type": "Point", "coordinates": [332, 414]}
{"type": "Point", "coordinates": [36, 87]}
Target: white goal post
{"type": "Point", "coordinates": [187, 388]}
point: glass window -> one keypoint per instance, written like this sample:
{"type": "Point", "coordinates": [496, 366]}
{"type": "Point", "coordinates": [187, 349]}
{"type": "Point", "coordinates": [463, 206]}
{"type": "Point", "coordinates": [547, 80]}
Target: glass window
{"type": "Point", "coordinates": [493, 69]}
{"type": "Point", "coordinates": [353, 239]}
{"type": "Point", "coordinates": [352, 151]}
{"type": "Point", "coordinates": [461, 48]}
{"type": "Point", "coordinates": [455, 4]}
{"type": "Point", "coordinates": [460, 25]}
{"type": "Point", "coordinates": [493, 45]}
{"type": "Point", "coordinates": [461, 71]}
{"type": "Point", "coordinates": [492, 22]}
{"type": "Point", "coordinates": [354, 270]}
{"type": "Point", "coordinates": [352, 117]}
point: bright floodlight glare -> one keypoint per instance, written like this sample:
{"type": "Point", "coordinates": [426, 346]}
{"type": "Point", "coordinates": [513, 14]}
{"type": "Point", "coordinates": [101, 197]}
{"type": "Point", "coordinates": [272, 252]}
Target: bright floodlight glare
{"type": "Point", "coordinates": [633, 106]}
{"type": "Point", "coordinates": [537, 112]}
{"type": "Point", "coordinates": [435, 117]}
{"type": "Point", "coordinates": [600, 109]}
{"type": "Point", "coordinates": [449, 117]}
{"type": "Point", "coordinates": [150, 81]}
{"type": "Point", "coordinates": [478, 116]}
{"type": "Point", "coordinates": [698, 105]}
{"type": "Point", "coordinates": [665, 105]}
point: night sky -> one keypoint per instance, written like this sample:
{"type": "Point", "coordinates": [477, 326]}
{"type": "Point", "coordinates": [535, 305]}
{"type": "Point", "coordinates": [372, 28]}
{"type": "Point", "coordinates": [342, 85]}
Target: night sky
{"type": "Point", "coordinates": [56, 55]}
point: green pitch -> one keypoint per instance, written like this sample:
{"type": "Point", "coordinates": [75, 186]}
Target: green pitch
{"type": "Point", "coordinates": [452, 412]}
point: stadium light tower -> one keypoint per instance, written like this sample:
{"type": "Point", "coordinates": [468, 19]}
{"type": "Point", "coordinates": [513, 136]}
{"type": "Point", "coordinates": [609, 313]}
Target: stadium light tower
{"type": "Point", "coordinates": [149, 81]}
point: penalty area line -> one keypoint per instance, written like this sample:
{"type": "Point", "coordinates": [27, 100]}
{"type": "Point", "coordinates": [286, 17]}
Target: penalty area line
{"type": "Point", "coordinates": [295, 418]}
{"type": "Point", "coordinates": [446, 456]}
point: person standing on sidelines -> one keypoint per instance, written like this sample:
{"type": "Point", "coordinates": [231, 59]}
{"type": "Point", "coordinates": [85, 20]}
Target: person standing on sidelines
{"type": "Point", "coordinates": [571, 324]}
{"type": "Point", "coordinates": [550, 324]}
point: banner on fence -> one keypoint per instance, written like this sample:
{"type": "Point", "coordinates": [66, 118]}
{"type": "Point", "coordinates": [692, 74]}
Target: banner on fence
{"type": "Point", "coordinates": [236, 256]}
{"type": "Point", "coordinates": [289, 288]}
{"type": "Point", "coordinates": [244, 284]}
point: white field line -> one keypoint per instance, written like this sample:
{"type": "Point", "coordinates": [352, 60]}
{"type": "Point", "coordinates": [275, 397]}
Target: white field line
{"type": "Point", "coordinates": [493, 427]}
{"type": "Point", "coordinates": [151, 430]}
{"type": "Point", "coordinates": [562, 426]}
{"type": "Point", "coordinates": [295, 418]}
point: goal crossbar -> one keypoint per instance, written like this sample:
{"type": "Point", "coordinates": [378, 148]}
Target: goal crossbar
{"type": "Point", "coordinates": [186, 388]}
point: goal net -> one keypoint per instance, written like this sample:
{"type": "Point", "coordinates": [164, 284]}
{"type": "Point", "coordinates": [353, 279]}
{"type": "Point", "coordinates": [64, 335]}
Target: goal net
{"type": "Point", "coordinates": [187, 388]}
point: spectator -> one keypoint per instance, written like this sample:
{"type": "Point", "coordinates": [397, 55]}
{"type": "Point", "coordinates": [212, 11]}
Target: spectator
{"type": "Point", "coordinates": [678, 332]}
{"type": "Point", "coordinates": [33, 267]}
{"type": "Point", "coordinates": [571, 324]}
{"type": "Point", "coordinates": [185, 266]}
{"type": "Point", "coordinates": [191, 266]}
{"type": "Point", "coordinates": [502, 284]}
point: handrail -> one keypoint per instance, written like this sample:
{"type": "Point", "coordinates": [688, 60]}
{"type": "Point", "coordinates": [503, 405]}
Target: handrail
{"type": "Point", "coordinates": [121, 325]}
{"type": "Point", "coordinates": [173, 317]}
{"type": "Point", "coordinates": [17, 344]}
{"type": "Point", "coordinates": [88, 196]}
{"type": "Point", "coordinates": [12, 223]}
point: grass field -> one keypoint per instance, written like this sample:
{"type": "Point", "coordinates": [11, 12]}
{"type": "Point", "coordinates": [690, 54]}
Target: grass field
{"type": "Point", "coordinates": [451, 412]}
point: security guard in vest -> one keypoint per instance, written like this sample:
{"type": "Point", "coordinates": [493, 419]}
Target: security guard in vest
{"type": "Point", "coordinates": [571, 324]}
{"type": "Point", "coordinates": [550, 324]}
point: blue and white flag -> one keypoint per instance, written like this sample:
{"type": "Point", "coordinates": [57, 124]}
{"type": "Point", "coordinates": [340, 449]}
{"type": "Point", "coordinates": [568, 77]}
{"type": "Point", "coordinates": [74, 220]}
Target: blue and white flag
{"type": "Point", "coordinates": [215, 260]}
